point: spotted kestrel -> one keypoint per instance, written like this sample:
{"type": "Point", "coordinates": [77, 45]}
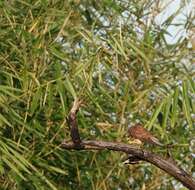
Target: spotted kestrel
{"type": "Point", "coordinates": [138, 132]}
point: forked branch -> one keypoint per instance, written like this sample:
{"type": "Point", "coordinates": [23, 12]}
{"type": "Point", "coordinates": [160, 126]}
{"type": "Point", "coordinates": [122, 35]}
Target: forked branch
{"type": "Point", "coordinates": [168, 165]}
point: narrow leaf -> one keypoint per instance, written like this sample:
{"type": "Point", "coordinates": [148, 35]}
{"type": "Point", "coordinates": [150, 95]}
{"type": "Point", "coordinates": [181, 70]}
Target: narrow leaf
{"type": "Point", "coordinates": [175, 107]}
{"type": "Point", "coordinates": [154, 116]}
{"type": "Point", "coordinates": [186, 103]}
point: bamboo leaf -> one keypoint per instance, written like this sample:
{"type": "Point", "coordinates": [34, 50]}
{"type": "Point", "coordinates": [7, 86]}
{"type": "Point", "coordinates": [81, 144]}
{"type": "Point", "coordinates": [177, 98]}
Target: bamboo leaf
{"type": "Point", "coordinates": [121, 49]}
{"type": "Point", "coordinates": [154, 116]}
{"type": "Point", "coordinates": [36, 100]}
{"type": "Point", "coordinates": [70, 87]}
{"type": "Point", "coordinates": [167, 106]}
{"type": "Point", "coordinates": [186, 103]}
{"type": "Point", "coordinates": [175, 107]}
{"type": "Point", "coordinates": [4, 120]}
{"type": "Point", "coordinates": [13, 167]}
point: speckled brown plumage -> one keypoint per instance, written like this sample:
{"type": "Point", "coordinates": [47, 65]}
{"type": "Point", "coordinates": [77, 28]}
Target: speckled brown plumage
{"type": "Point", "coordinates": [139, 132]}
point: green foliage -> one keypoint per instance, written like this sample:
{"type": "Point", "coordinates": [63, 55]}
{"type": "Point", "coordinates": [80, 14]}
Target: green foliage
{"type": "Point", "coordinates": [105, 53]}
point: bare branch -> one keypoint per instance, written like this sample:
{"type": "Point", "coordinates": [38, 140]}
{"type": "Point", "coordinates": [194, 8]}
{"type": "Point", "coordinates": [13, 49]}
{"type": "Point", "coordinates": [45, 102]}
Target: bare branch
{"type": "Point", "coordinates": [168, 165]}
{"type": "Point", "coordinates": [160, 162]}
{"type": "Point", "coordinates": [72, 120]}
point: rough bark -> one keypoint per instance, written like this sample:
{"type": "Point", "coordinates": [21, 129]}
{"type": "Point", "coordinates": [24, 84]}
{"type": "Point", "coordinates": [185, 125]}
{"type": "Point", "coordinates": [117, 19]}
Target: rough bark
{"type": "Point", "coordinates": [168, 165]}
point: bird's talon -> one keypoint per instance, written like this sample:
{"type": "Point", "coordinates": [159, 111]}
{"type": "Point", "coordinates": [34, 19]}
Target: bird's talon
{"type": "Point", "coordinates": [135, 141]}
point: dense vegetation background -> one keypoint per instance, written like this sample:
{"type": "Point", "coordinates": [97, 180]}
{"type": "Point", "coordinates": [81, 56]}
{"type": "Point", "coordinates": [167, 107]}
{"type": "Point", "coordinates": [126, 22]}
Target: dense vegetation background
{"type": "Point", "coordinates": [114, 56]}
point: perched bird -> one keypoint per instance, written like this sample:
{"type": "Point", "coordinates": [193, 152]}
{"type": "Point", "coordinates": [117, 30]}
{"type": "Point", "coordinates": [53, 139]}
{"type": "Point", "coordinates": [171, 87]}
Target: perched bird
{"type": "Point", "coordinates": [139, 133]}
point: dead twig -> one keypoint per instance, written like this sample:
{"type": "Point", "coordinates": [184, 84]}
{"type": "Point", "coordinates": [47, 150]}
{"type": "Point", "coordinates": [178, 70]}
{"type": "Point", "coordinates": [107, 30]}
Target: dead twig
{"type": "Point", "coordinates": [72, 121]}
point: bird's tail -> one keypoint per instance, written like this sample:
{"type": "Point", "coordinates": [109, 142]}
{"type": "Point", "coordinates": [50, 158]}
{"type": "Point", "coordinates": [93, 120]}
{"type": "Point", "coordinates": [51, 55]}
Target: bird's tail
{"type": "Point", "coordinates": [155, 141]}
